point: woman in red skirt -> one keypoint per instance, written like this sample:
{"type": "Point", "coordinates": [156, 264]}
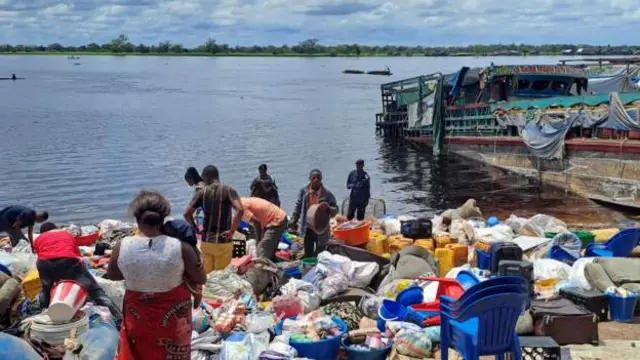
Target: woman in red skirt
{"type": "Point", "coordinates": [157, 303]}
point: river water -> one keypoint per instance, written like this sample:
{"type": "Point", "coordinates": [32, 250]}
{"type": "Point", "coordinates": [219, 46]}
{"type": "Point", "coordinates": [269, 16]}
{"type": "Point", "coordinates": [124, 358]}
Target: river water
{"type": "Point", "coordinates": [81, 140]}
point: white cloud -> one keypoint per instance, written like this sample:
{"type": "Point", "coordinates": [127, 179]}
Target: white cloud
{"type": "Point", "coordinates": [424, 22]}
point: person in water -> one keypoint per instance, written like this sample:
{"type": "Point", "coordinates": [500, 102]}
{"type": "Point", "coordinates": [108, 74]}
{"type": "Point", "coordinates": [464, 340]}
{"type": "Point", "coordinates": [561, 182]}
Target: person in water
{"type": "Point", "coordinates": [155, 268]}
{"type": "Point", "coordinates": [59, 259]}
{"type": "Point", "coordinates": [17, 217]}
{"type": "Point", "coordinates": [218, 202]}
{"type": "Point", "coordinates": [269, 221]}
{"type": "Point", "coordinates": [264, 186]}
{"type": "Point", "coordinates": [313, 194]}
{"type": "Point", "coordinates": [360, 185]}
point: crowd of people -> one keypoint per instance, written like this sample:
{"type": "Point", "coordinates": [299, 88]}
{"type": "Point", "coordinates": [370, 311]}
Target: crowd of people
{"type": "Point", "coordinates": [163, 267]}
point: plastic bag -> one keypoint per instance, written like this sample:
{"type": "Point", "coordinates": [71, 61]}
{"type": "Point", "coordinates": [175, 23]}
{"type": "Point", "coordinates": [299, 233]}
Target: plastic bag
{"type": "Point", "coordinates": [259, 322]}
{"type": "Point", "coordinates": [577, 276]}
{"type": "Point", "coordinates": [22, 247]}
{"type": "Point", "coordinates": [539, 224]}
{"type": "Point", "coordinates": [495, 234]}
{"type": "Point", "coordinates": [544, 269]}
{"type": "Point", "coordinates": [333, 285]}
{"type": "Point", "coordinates": [329, 263]}
{"type": "Point", "coordinates": [26, 262]}
{"type": "Point", "coordinates": [12, 347]}
{"type": "Point", "coordinates": [515, 223]}
{"type": "Point", "coordinates": [114, 289]}
{"type": "Point", "coordinates": [362, 273]}
{"type": "Point", "coordinates": [369, 305]}
{"type": "Point", "coordinates": [413, 343]}
{"type": "Point", "coordinates": [569, 241]}
{"type": "Point", "coordinates": [249, 348]}
{"type": "Point", "coordinates": [306, 292]}
{"type": "Point", "coordinates": [225, 285]}
{"type": "Point", "coordinates": [390, 226]}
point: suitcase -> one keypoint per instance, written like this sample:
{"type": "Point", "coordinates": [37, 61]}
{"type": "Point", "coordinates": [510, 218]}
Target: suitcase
{"type": "Point", "coordinates": [565, 322]}
{"type": "Point", "coordinates": [590, 300]}
{"type": "Point", "coordinates": [416, 229]}
{"type": "Point", "coordinates": [503, 251]}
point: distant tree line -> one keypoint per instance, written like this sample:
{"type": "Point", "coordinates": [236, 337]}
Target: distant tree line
{"type": "Point", "coordinates": [312, 47]}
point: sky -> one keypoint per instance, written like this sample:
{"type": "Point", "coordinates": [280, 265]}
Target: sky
{"type": "Point", "coordinates": [277, 22]}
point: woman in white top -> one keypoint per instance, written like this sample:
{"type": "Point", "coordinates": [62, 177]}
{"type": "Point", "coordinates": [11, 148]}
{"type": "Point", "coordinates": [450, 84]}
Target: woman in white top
{"type": "Point", "coordinates": [157, 303]}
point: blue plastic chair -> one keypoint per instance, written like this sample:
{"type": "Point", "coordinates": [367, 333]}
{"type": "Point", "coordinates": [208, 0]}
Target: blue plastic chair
{"type": "Point", "coordinates": [620, 245]}
{"type": "Point", "coordinates": [485, 326]}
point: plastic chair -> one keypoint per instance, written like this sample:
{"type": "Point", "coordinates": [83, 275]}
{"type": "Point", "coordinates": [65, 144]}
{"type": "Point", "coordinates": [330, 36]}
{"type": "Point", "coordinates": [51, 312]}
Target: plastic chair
{"type": "Point", "coordinates": [485, 326]}
{"type": "Point", "coordinates": [620, 245]}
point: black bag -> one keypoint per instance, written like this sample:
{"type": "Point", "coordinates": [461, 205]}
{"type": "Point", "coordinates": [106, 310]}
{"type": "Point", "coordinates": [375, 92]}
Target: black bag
{"type": "Point", "coordinates": [522, 269]}
{"type": "Point", "coordinates": [590, 300]}
{"type": "Point", "coordinates": [565, 322]}
{"type": "Point", "coordinates": [416, 229]}
{"type": "Point", "coordinates": [504, 251]}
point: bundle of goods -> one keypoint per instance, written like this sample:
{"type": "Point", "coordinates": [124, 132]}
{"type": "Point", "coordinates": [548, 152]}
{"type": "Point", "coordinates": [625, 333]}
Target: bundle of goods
{"type": "Point", "coordinates": [316, 338]}
{"type": "Point", "coordinates": [230, 317]}
{"type": "Point", "coordinates": [366, 345]}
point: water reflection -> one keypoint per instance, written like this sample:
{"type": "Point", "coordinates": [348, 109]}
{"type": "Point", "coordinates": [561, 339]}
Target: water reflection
{"type": "Point", "coordinates": [425, 185]}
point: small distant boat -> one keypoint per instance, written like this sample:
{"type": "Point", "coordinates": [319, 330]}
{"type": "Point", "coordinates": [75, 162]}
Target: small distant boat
{"type": "Point", "coordinates": [11, 78]}
{"type": "Point", "coordinates": [76, 63]}
{"type": "Point", "coordinates": [73, 57]}
{"type": "Point", "coordinates": [385, 72]}
{"type": "Point", "coordinates": [350, 71]}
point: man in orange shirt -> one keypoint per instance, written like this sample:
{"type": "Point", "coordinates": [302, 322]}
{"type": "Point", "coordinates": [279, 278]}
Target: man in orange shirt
{"type": "Point", "coordinates": [270, 222]}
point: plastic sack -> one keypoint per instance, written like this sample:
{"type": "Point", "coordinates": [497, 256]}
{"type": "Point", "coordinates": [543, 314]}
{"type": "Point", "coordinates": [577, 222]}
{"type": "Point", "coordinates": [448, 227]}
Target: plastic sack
{"type": "Point", "coordinates": [394, 327]}
{"type": "Point", "coordinates": [539, 224]}
{"type": "Point", "coordinates": [225, 285]}
{"type": "Point", "coordinates": [577, 276]}
{"type": "Point", "coordinates": [524, 325]}
{"type": "Point", "coordinates": [369, 305]}
{"type": "Point", "coordinates": [515, 223]}
{"type": "Point", "coordinates": [114, 289]}
{"type": "Point", "coordinates": [362, 273]}
{"type": "Point", "coordinates": [207, 341]}
{"type": "Point", "coordinates": [392, 289]}
{"type": "Point", "coordinates": [99, 343]}
{"type": "Point", "coordinates": [329, 263]}
{"type": "Point", "coordinates": [390, 226]}
{"type": "Point", "coordinates": [433, 332]}
{"type": "Point", "coordinates": [544, 269]}
{"type": "Point", "coordinates": [21, 247]}
{"type": "Point", "coordinates": [333, 285]}
{"type": "Point", "coordinates": [283, 348]}
{"type": "Point", "coordinates": [259, 322]}
{"type": "Point", "coordinates": [249, 348]}
{"type": "Point", "coordinates": [413, 343]}
{"type": "Point", "coordinates": [12, 347]}
{"type": "Point", "coordinates": [110, 225]}
{"type": "Point", "coordinates": [306, 292]}
{"type": "Point", "coordinates": [569, 241]}
{"type": "Point", "coordinates": [252, 248]}
{"type": "Point", "coordinates": [495, 234]}
{"type": "Point", "coordinates": [457, 231]}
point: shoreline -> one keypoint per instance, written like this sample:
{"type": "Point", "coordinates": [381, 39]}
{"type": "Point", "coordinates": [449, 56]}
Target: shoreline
{"type": "Point", "coordinates": [285, 55]}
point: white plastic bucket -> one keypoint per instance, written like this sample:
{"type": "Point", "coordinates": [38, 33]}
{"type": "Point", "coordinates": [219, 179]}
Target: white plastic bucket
{"type": "Point", "coordinates": [43, 328]}
{"type": "Point", "coordinates": [67, 297]}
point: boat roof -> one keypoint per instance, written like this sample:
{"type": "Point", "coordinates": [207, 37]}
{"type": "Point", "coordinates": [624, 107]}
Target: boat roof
{"type": "Point", "coordinates": [564, 101]}
{"type": "Point", "coordinates": [557, 70]}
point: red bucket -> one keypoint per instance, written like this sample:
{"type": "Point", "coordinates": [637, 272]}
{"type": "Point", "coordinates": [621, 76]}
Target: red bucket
{"type": "Point", "coordinates": [67, 297]}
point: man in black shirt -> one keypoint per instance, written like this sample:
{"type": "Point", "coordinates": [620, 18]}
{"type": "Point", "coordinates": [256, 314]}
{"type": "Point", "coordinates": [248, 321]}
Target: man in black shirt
{"type": "Point", "coordinates": [17, 217]}
{"type": "Point", "coordinates": [264, 186]}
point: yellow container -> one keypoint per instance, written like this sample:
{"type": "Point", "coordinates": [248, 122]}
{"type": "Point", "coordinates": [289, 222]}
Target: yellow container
{"type": "Point", "coordinates": [386, 255]}
{"type": "Point", "coordinates": [425, 244]}
{"type": "Point", "coordinates": [378, 244]}
{"type": "Point", "coordinates": [603, 235]}
{"type": "Point", "coordinates": [31, 285]}
{"type": "Point", "coordinates": [398, 242]}
{"type": "Point", "coordinates": [445, 261]}
{"type": "Point", "coordinates": [441, 241]}
{"type": "Point", "coordinates": [460, 253]}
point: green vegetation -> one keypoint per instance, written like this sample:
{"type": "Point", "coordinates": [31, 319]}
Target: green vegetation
{"type": "Point", "coordinates": [312, 47]}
